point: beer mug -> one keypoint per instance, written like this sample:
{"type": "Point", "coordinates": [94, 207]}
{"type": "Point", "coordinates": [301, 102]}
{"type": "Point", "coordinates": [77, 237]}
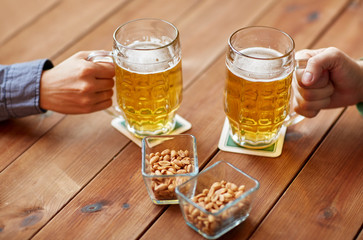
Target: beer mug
{"type": "Point", "coordinates": [258, 93]}
{"type": "Point", "coordinates": [148, 71]}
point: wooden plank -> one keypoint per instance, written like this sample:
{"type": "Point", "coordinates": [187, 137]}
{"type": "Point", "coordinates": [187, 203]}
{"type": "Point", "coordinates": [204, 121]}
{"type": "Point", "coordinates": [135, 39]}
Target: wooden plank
{"type": "Point", "coordinates": [205, 32]}
{"type": "Point", "coordinates": [17, 14]}
{"type": "Point", "coordinates": [201, 127]}
{"type": "Point", "coordinates": [137, 217]}
{"type": "Point", "coordinates": [274, 174]}
{"type": "Point", "coordinates": [69, 20]}
{"type": "Point", "coordinates": [72, 20]}
{"type": "Point", "coordinates": [331, 208]}
{"type": "Point", "coordinates": [338, 170]}
{"type": "Point", "coordinates": [207, 138]}
{"type": "Point", "coordinates": [101, 37]}
{"type": "Point", "coordinates": [17, 135]}
{"type": "Point", "coordinates": [345, 33]}
{"type": "Point", "coordinates": [77, 149]}
{"type": "Point", "coordinates": [201, 45]}
{"type": "Point", "coordinates": [124, 208]}
{"type": "Point", "coordinates": [303, 18]}
{"type": "Point", "coordinates": [44, 178]}
{"type": "Point", "coordinates": [281, 170]}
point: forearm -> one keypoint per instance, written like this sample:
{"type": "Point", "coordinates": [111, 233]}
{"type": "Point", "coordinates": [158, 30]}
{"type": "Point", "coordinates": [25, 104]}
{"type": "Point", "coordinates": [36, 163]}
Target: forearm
{"type": "Point", "coordinates": [19, 86]}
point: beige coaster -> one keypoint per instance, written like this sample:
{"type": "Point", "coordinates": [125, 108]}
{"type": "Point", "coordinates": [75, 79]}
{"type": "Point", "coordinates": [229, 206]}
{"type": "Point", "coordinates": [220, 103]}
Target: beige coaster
{"type": "Point", "coordinates": [181, 126]}
{"type": "Point", "coordinates": [227, 144]}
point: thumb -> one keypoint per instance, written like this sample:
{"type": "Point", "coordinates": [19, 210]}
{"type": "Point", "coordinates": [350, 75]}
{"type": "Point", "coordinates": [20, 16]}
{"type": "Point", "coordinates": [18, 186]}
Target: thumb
{"type": "Point", "coordinates": [316, 73]}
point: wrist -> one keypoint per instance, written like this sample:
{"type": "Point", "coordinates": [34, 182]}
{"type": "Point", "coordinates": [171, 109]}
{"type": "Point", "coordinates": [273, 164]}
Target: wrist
{"type": "Point", "coordinates": [43, 98]}
{"type": "Point", "coordinates": [42, 90]}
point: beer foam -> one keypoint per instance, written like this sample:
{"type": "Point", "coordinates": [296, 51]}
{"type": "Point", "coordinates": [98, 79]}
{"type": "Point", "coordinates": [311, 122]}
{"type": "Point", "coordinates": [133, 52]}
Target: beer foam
{"type": "Point", "coordinates": [259, 64]}
{"type": "Point", "coordinates": [145, 57]}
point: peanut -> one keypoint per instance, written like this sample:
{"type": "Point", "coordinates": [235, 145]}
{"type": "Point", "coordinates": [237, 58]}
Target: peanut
{"type": "Point", "coordinates": [214, 199]}
{"type": "Point", "coordinates": [168, 162]}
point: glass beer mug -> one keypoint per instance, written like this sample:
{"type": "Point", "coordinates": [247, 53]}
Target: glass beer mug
{"type": "Point", "coordinates": [258, 93]}
{"type": "Point", "coordinates": [148, 72]}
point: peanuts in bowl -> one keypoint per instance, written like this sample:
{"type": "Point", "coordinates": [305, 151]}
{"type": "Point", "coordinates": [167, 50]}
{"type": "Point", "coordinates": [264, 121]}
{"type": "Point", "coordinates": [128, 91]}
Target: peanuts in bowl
{"type": "Point", "coordinates": [168, 161]}
{"type": "Point", "coordinates": [214, 199]}
{"type": "Point", "coordinates": [217, 199]}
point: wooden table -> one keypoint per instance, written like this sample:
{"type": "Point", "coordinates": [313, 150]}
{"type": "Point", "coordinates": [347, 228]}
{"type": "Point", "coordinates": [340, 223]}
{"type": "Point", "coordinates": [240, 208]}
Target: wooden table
{"type": "Point", "coordinates": [53, 166]}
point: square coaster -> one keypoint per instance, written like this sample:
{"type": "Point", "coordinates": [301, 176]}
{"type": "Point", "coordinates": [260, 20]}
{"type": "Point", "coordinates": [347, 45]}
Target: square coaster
{"type": "Point", "coordinates": [181, 125]}
{"type": "Point", "coordinates": [227, 144]}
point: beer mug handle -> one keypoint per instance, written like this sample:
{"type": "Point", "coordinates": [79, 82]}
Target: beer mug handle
{"type": "Point", "coordinates": [105, 56]}
{"type": "Point", "coordinates": [100, 56]}
{"type": "Point", "coordinates": [294, 118]}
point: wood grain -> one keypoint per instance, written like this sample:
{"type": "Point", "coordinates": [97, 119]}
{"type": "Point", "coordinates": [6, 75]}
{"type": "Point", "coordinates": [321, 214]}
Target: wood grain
{"type": "Point", "coordinates": [345, 34]}
{"type": "Point", "coordinates": [201, 45]}
{"type": "Point", "coordinates": [15, 15]}
{"type": "Point", "coordinates": [56, 29]}
{"type": "Point", "coordinates": [266, 170]}
{"type": "Point", "coordinates": [17, 135]}
{"type": "Point", "coordinates": [325, 200]}
{"type": "Point", "coordinates": [274, 175]}
{"type": "Point", "coordinates": [302, 18]}
{"type": "Point", "coordinates": [11, 217]}
{"type": "Point", "coordinates": [101, 36]}
{"type": "Point", "coordinates": [47, 34]}
{"type": "Point", "coordinates": [135, 225]}
{"type": "Point", "coordinates": [335, 200]}
{"type": "Point", "coordinates": [124, 208]}
{"type": "Point", "coordinates": [76, 177]}
{"type": "Point", "coordinates": [44, 178]}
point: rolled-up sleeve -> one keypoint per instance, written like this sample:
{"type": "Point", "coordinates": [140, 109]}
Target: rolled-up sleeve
{"type": "Point", "coordinates": [20, 87]}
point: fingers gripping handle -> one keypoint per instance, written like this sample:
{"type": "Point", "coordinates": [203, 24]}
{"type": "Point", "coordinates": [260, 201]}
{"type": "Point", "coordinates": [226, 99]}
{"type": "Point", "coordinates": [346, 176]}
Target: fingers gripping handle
{"type": "Point", "coordinates": [105, 56]}
{"type": "Point", "coordinates": [301, 63]}
{"type": "Point", "coordinates": [293, 117]}
{"type": "Point", "coordinates": [100, 56]}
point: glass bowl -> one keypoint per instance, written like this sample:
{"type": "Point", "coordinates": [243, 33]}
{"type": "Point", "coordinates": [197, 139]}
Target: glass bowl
{"type": "Point", "coordinates": [168, 161]}
{"type": "Point", "coordinates": [217, 199]}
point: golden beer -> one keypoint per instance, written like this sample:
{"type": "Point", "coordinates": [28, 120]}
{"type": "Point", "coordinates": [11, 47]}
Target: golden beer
{"type": "Point", "coordinates": [149, 99]}
{"type": "Point", "coordinates": [148, 71]}
{"type": "Point", "coordinates": [257, 98]}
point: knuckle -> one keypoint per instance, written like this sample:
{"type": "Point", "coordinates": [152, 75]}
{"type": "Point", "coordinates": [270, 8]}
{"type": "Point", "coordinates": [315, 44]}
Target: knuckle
{"type": "Point", "coordinates": [335, 53]}
{"type": "Point", "coordinates": [333, 50]}
{"type": "Point", "coordinates": [306, 113]}
{"type": "Point", "coordinates": [86, 87]}
{"type": "Point", "coordinates": [303, 105]}
{"type": "Point", "coordinates": [308, 95]}
{"type": "Point", "coordinates": [306, 106]}
{"type": "Point", "coordinates": [85, 70]}
{"type": "Point", "coordinates": [86, 102]}
{"type": "Point", "coordinates": [311, 114]}
{"type": "Point", "coordinates": [80, 54]}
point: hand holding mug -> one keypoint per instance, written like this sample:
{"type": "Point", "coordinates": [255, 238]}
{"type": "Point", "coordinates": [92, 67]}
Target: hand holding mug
{"type": "Point", "coordinates": [77, 86]}
{"type": "Point", "coordinates": [331, 79]}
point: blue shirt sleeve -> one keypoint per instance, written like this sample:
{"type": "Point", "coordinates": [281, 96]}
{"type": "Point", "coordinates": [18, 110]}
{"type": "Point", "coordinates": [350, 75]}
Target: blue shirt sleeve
{"type": "Point", "coordinates": [19, 88]}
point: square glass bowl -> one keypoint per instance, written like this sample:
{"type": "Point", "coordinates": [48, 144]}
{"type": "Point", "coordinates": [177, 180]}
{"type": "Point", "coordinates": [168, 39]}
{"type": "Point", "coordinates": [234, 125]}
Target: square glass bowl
{"type": "Point", "coordinates": [168, 161]}
{"type": "Point", "coordinates": [217, 199]}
